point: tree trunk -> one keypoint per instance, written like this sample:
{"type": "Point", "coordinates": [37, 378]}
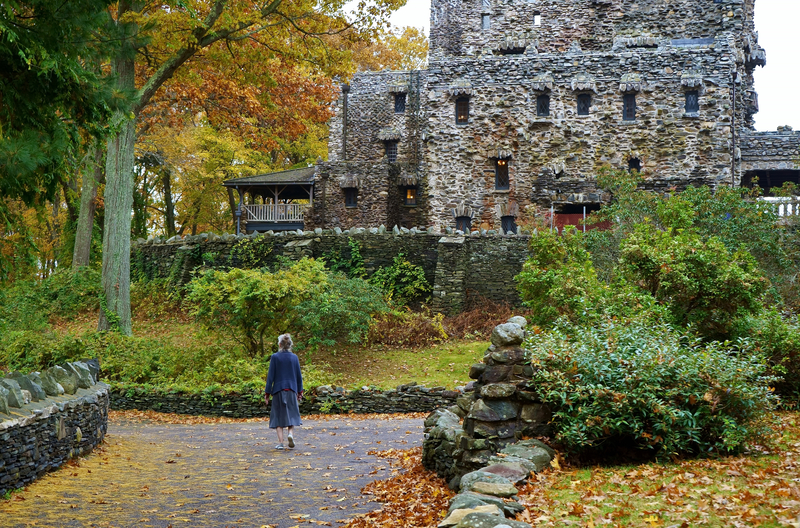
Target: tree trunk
{"type": "Point", "coordinates": [92, 174]}
{"type": "Point", "coordinates": [169, 207]}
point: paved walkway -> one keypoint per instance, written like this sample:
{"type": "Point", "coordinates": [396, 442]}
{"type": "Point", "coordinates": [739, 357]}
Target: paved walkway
{"type": "Point", "coordinates": [215, 475]}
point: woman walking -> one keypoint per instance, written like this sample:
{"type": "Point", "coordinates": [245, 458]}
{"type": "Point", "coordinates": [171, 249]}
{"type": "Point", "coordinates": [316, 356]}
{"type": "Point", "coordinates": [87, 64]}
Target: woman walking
{"type": "Point", "coordinates": [285, 386]}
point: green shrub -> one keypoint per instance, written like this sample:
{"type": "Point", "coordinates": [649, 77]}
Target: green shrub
{"type": "Point", "coordinates": [351, 264]}
{"type": "Point", "coordinates": [341, 311]}
{"type": "Point", "coordinates": [254, 306]}
{"type": "Point", "coordinates": [647, 386]}
{"type": "Point", "coordinates": [703, 285]}
{"type": "Point", "coordinates": [403, 282]}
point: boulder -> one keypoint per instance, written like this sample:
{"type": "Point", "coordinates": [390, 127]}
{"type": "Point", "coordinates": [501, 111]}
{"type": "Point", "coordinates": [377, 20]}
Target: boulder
{"type": "Point", "coordinates": [67, 379]}
{"type": "Point", "coordinates": [498, 391]}
{"type": "Point", "coordinates": [94, 367]}
{"type": "Point", "coordinates": [476, 370]}
{"type": "Point", "coordinates": [507, 334]}
{"type": "Point", "coordinates": [529, 466]}
{"type": "Point", "coordinates": [50, 385]}
{"type": "Point", "coordinates": [442, 418]}
{"type": "Point", "coordinates": [535, 413]}
{"type": "Point", "coordinates": [518, 319]}
{"type": "Point", "coordinates": [512, 471]}
{"type": "Point", "coordinates": [4, 400]}
{"type": "Point", "coordinates": [473, 477]}
{"type": "Point", "coordinates": [498, 489]}
{"type": "Point", "coordinates": [487, 520]}
{"type": "Point", "coordinates": [82, 372]}
{"type": "Point", "coordinates": [457, 515]}
{"type": "Point", "coordinates": [15, 397]}
{"type": "Point", "coordinates": [26, 396]}
{"type": "Point", "coordinates": [470, 499]}
{"type": "Point", "coordinates": [537, 455]}
{"type": "Point", "coordinates": [492, 410]}
{"type": "Point", "coordinates": [508, 354]}
{"type": "Point", "coordinates": [25, 383]}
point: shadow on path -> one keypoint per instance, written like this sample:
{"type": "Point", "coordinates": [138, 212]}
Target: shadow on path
{"type": "Point", "coordinates": [216, 475]}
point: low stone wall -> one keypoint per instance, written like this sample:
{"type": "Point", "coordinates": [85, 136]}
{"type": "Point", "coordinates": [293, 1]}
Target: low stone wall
{"type": "Point", "coordinates": [325, 399]}
{"type": "Point", "coordinates": [483, 263]}
{"type": "Point", "coordinates": [41, 436]}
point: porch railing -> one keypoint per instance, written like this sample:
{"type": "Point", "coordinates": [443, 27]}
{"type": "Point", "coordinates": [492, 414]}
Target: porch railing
{"type": "Point", "coordinates": [274, 212]}
{"type": "Point", "coordinates": [783, 206]}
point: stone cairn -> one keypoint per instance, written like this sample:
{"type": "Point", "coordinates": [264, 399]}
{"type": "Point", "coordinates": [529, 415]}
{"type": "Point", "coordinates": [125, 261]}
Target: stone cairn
{"type": "Point", "coordinates": [491, 450]}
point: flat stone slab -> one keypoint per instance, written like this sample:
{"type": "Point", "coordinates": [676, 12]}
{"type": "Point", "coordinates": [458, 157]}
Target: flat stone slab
{"type": "Point", "coordinates": [512, 471]}
{"type": "Point", "coordinates": [485, 520]}
{"type": "Point", "coordinates": [498, 489]}
{"type": "Point", "coordinates": [480, 476]}
{"type": "Point", "coordinates": [457, 515]}
{"type": "Point", "coordinates": [470, 499]}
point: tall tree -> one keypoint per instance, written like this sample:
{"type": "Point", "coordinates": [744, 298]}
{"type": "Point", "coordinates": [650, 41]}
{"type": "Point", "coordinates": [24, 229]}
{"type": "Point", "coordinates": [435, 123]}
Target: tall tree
{"type": "Point", "coordinates": [168, 36]}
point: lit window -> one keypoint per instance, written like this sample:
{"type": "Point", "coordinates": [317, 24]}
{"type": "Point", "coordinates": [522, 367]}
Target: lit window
{"type": "Point", "coordinates": [508, 224]}
{"type": "Point", "coordinates": [463, 223]}
{"type": "Point", "coordinates": [485, 21]}
{"type": "Point", "coordinates": [462, 110]}
{"type": "Point", "coordinates": [399, 103]}
{"type": "Point", "coordinates": [584, 104]}
{"type": "Point", "coordinates": [391, 151]}
{"type": "Point", "coordinates": [411, 196]}
{"type": "Point", "coordinates": [537, 19]}
{"type": "Point", "coordinates": [501, 181]}
{"type": "Point", "coordinates": [351, 197]}
{"type": "Point", "coordinates": [634, 164]}
{"type": "Point", "coordinates": [692, 102]}
{"type": "Point", "coordinates": [543, 105]}
{"type": "Point", "coordinates": [629, 107]}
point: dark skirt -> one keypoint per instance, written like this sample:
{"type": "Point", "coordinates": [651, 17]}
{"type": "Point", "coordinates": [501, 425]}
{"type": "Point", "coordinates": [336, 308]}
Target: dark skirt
{"type": "Point", "coordinates": [285, 410]}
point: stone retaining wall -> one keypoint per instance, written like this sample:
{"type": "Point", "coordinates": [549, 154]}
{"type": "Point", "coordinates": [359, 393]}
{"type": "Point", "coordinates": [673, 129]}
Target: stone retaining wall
{"type": "Point", "coordinates": [484, 263]}
{"type": "Point", "coordinates": [404, 399]}
{"type": "Point", "coordinates": [41, 436]}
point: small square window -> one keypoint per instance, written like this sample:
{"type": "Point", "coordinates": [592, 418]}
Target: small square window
{"type": "Point", "coordinates": [629, 107]}
{"type": "Point", "coordinates": [351, 197]}
{"type": "Point", "coordinates": [462, 110]}
{"type": "Point", "coordinates": [486, 21]}
{"type": "Point", "coordinates": [537, 19]}
{"type": "Point", "coordinates": [543, 105]}
{"type": "Point", "coordinates": [692, 102]}
{"type": "Point", "coordinates": [634, 164]}
{"type": "Point", "coordinates": [584, 104]}
{"type": "Point", "coordinates": [508, 224]}
{"type": "Point", "coordinates": [411, 196]}
{"type": "Point", "coordinates": [399, 103]}
{"type": "Point", "coordinates": [463, 223]}
{"type": "Point", "coordinates": [391, 151]}
{"type": "Point", "coordinates": [501, 181]}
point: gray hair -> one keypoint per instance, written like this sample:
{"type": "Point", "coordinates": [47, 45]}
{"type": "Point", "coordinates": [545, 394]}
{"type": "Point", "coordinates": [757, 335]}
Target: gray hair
{"type": "Point", "coordinates": [285, 342]}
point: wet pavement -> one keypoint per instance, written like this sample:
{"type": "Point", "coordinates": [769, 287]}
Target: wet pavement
{"type": "Point", "coordinates": [224, 474]}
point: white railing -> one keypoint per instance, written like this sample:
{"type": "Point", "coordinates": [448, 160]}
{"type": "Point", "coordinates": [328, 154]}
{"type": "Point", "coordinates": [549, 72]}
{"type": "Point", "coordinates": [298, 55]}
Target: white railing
{"type": "Point", "coordinates": [274, 213]}
{"type": "Point", "coordinates": [783, 206]}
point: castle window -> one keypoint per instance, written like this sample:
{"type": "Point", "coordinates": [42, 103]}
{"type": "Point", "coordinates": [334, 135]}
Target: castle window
{"type": "Point", "coordinates": [463, 223]}
{"type": "Point", "coordinates": [629, 107]}
{"type": "Point", "coordinates": [462, 110]}
{"type": "Point", "coordinates": [692, 102]}
{"type": "Point", "coordinates": [537, 19]}
{"type": "Point", "coordinates": [391, 151]}
{"type": "Point", "coordinates": [543, 105]}
{"type": "Point", "coordinates": [584, 104]}
{"type": "Point", "coordinates": [508, 224]}
{"type": "Point", "coordinates": [351, 197]}
{"type": "Point", "coordinates": [399, 103]}
{"type": "Point", "coordinates": [410, 196]}
{"type": "Point", "coordinates": [634, 164]}
{"type": "Point", "coordinates": [501, 181]}
{"type": "Point", "coordinates": [486, 21]}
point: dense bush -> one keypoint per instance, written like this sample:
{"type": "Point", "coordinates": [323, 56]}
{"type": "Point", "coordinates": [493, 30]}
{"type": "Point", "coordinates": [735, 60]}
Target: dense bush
{"type": "Point", "coordinates": [403, 282]}
{"type": "Point", "coordinates": [403, 327]}
{"type": "Point", "coordinates": [648, 387]}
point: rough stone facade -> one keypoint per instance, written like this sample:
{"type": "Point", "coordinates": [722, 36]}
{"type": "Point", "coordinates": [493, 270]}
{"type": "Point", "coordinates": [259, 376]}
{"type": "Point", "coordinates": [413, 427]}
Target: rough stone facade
{"type": "Point", "coordinates": [324, 399]}
{"type": "Point", "coordinates": [547, 83]}
{"type": "Point", "coordinates": [48, 418]}
{"type": "Point", "coordinates": [456, 267]}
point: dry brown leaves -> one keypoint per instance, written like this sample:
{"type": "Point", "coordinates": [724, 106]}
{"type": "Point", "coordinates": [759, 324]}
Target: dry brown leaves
{"type": "Point", "coordinates": [414, 498]}
{"type": "Point", "coordinates": [186, 419]}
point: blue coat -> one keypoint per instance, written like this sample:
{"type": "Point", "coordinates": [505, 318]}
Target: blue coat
{"type": "Point", "coordinates": [284, 373]}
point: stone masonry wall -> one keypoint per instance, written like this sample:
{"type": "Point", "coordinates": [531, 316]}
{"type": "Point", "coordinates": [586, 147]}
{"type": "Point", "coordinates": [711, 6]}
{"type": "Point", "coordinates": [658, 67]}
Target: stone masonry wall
{"type": "Point", "coordinates": [40, 437]}
{"type": "Point", "coordinates": [778, 150]}
{"type": "Point", "coordinates": [481, 264]}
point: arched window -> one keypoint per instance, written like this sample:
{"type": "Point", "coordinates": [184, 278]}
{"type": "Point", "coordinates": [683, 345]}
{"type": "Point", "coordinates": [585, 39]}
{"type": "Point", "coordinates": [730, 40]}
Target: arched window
{"type": "Point", "coordinates": [462, 110]}
{"type": "Point", "coordinates": [463, 223]}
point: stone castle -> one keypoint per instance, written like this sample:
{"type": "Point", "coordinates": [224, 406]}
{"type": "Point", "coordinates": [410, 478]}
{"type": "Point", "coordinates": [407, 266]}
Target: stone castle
{"type": "Point", "coordinates": [524, 101]}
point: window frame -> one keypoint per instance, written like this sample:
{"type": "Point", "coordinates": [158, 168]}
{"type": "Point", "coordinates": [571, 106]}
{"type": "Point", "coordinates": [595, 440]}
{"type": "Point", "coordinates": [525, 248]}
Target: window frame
{"type": "Point", "coordinates": [634, 164]}
{"type": "Point", "coordinates": [350, 197]}
{"type": "Point", "coordinates": [584, 97]}
{"type": "Point", "coordinates": [687, 95]}
{"type": "Point", "coordinates": [409, 201]}
{"type": "Point", "coordinates": [501, 170]}
{"type": "Point", "coordinates": [390, 149]}
{"type": "Point", "coordinates": [486, 21]}
{"type": "Point", "coordinates": [505, 220]}
{"type": "Point", "coordinates": [400, 101]}
{"type": "Point", "coordinates": [629, 107]}
{"type": "Point", "coordinates": [543, 105]}
{"type": "Point", "coordinates": [462, 119]}
{"type": "Point", "coordinates": [465, 221]}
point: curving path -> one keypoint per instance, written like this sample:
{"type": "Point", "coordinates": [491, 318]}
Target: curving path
{"type": "Point", "coordinates": [215, 475]}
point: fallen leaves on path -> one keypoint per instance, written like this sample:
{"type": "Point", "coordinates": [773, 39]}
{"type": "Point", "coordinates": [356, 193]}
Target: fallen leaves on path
{"type": "Point", "coordinates": [187, 419]}
{"type": "Point", "coordinates": [414, 498]}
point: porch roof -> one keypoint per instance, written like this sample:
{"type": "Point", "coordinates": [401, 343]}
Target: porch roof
{"type": "Point", "coordinates": [302, 176]}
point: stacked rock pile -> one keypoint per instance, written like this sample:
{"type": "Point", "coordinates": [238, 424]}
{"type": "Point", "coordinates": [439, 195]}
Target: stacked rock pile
{"type": "Point", "coordinates": [17, 389]}
{"type": "Point", "coordinates": [491, 451]}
